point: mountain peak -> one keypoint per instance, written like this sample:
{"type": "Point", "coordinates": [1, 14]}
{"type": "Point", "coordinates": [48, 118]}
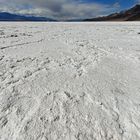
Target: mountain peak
{"type": "Point", "coordinates": [136, 8]}
{"type": "Point", "coordinates": [132, 14]}
{"type": "Point", "coordinates": [137, 5]}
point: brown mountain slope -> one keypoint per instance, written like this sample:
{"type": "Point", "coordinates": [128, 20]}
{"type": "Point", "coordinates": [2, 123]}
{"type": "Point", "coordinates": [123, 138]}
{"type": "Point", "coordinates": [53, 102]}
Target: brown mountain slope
{"type": "Point", "coordinates": [132, 14]}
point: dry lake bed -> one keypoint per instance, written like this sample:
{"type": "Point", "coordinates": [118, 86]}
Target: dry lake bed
{"type": "Point", "coordinates": [70, 81]}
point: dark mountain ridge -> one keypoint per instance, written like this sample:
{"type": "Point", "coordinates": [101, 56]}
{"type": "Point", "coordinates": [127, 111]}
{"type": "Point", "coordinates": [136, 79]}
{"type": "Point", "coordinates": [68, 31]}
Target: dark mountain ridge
{"type": "Point", "coordinates": [4, 16]}
{"type": "Point", "coordinates": [132, 14]}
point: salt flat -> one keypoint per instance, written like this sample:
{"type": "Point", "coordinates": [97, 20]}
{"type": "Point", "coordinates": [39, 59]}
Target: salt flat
{"type": "Point", "coordinates": [70, 81]}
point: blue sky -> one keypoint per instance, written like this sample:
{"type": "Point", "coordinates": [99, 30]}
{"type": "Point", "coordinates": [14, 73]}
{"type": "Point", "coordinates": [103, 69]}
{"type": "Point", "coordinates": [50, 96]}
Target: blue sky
{"type": "Point", "coordinates": [65, 9]}
{"type": "Point", "coordinates": [123, 3]}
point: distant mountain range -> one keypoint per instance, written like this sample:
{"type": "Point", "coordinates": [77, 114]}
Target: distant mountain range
{"type": "Point", "coordinates": [132, 14]}
{"type": "Point", "coordinates": [4, 16]}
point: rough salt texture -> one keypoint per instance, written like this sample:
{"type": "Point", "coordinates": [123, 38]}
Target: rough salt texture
{"type": "Point", "coordinates": [70, 81]}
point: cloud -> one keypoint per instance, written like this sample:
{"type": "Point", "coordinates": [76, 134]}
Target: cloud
{"type": "Point", "coordinates": [58, 9]}
{"type": "Point", "coordinates": [117, 5]}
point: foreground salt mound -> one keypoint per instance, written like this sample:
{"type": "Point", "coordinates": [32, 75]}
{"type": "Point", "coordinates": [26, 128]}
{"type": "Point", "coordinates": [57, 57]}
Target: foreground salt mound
{"type": "Point", "coordinates": [69, 81]}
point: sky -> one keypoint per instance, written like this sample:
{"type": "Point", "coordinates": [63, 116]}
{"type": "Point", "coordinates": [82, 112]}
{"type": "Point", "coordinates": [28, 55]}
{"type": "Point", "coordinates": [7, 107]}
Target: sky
{"type": "Point", "coordinates": [65, 9]}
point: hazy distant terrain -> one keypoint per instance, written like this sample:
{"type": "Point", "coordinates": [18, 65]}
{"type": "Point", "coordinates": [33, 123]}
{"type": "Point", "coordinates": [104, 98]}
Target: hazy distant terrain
{"type": "Point", "coordinates": [70, 81]}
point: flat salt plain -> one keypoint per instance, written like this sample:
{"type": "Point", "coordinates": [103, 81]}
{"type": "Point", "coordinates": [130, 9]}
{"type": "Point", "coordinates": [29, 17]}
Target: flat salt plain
{"type": "Point", "coordinates": [70, 81]}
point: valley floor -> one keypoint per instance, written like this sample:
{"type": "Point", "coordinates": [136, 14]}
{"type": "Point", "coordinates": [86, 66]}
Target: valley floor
{"type": "Point", "coordinates": [70, 81]}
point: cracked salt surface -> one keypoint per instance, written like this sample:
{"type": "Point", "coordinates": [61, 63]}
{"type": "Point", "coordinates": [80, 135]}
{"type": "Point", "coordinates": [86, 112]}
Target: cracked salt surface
{"type": "Point", "coordinates": [70, 81]}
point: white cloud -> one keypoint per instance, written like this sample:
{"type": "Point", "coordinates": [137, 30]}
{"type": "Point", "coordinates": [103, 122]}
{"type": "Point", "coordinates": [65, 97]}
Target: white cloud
{"type": "Point", "coordinates": [58, 9]}
{"type": "Point", "coordinates": [117, 5]}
